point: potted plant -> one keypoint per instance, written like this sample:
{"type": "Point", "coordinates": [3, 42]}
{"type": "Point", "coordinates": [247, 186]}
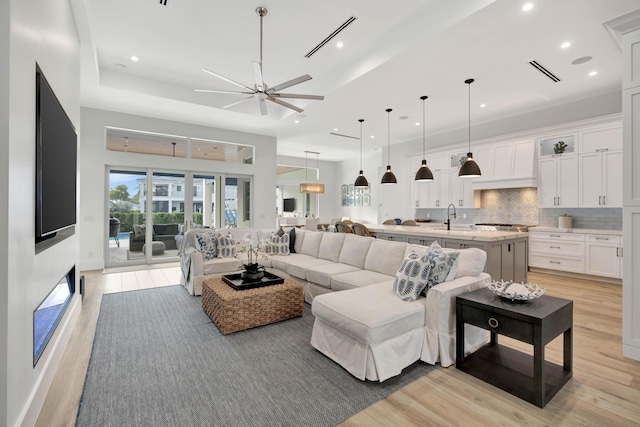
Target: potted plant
{"type": "Point", "coordinates": [253, 270]}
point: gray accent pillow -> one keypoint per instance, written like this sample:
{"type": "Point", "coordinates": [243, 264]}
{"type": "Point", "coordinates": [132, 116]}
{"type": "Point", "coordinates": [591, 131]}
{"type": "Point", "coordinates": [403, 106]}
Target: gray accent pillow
{"type": "Point", "coordinates": [439, 262]}
{"type": "Point", "coordinates": [279, 245]}
{"type": "Point", "coordinates": [411, 278]}
{"type": "Point", "coordinates": [226, 247]}
{"type": "Point", "coordinates": [292, 240]}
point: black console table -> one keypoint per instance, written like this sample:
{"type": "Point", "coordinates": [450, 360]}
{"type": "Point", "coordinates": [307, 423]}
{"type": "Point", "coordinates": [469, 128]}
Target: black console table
{"type": "Point", "coordinates": [535, 322]}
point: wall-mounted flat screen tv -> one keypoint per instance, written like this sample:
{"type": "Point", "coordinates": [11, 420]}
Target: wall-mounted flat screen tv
{"type": "Point", "coordinates": [289, 205]}
{"type": "Point", "coordinates": [56, 163]}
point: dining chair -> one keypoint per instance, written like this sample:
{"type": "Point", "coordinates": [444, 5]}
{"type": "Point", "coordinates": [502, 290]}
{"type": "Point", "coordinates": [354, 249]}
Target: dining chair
{"type": "Point", "coordinates": [341, 227]}
{"type": "Point", "coordinates": [409, 222]}
{"type": "Point", "coordinates": [360, 229]}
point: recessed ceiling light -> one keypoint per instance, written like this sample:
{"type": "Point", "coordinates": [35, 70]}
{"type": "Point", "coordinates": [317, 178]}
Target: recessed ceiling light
{"type": "Point", "coordinates": [417, 123]}
{"type": "Point", "coordinates": [565, 45]}
{"type": "Point", "coordinates": [135, 58]}
{"type": "Point", "coordinates": [339, 44]}
{"type": "Point", "coordinates": [593, 73]}
{"type": "Point", "coordinates": [372, 136]}
{"type": "Point", "coordinates": [296, 121]}
{"type": "Point", "coordinates": [335, 129]}
{"type": "Point", "coordinates": [483, 105]}
{"type": "Point", "coordinates": [527, 7]}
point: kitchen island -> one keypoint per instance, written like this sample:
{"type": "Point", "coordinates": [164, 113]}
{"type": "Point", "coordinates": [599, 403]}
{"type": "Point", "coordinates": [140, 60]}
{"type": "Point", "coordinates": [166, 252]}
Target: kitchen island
{"type": "Point", "coordinates": [507, 251]}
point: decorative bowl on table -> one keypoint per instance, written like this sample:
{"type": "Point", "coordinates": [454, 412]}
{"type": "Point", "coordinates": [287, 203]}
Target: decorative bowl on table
{"type": "Point", "coordinates": [516, 292]}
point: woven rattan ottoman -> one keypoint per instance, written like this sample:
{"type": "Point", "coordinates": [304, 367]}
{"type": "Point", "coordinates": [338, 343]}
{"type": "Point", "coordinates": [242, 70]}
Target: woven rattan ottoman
{"type": "Point", "coordinates": [233, 311]}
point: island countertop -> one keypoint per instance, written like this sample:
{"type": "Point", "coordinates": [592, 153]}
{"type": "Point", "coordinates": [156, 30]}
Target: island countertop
{"type": "Point", "coordinates": [438, 232]}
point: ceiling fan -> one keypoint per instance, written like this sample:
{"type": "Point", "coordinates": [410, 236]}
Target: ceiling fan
{"type": "Point", "coordinates": [261, 91]}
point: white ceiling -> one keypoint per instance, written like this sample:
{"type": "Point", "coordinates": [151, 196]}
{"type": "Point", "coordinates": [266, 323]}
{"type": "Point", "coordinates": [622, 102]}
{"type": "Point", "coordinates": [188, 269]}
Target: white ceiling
{"type": "Point", "coordinates": [393, 53]}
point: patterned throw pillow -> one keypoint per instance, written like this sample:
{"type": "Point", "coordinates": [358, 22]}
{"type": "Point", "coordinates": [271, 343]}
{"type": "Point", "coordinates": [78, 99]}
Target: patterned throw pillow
{"type": "Point", "coordinates": [411, 278]}
{"type": "Point", "coordinates": [279, 245]}
{"type": "Point", "coordinates": [226, 246]}
{"type": "Point", "coordinates": [440, 264]}
{"type": "Point", "coordinates": [207, 243]}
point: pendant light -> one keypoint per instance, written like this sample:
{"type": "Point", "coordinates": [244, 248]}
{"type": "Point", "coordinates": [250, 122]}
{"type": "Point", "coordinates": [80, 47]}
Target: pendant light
{"type": "Point", "coordinates": [361, 181]}
{"type": "Point", "coordinates": [424, 173]}
{"type": "Point", "coordinates": [469, 168]}
{"type": "Point", "coordinates": [389, 178]}
{"type": "Point", "coordinates": [311, 187]}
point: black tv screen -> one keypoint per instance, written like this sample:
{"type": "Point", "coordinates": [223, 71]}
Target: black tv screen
{"type": "Point", "coordinates": [56, 155]}
{"type": "Point", "coordinates": [289, 205]}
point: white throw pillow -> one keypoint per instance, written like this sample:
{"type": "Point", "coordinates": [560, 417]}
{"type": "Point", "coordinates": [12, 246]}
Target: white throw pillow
{"type": "Point", "coordinates": [207, 244]}
{"type": "Point", "coordinates": [411, 278]}
{"type": "Point", "coordinates": [226, 246]}
{"type": "Point", "coordinates": [470, 262]}
{"type": "Point", "coordinates": [440, 263]}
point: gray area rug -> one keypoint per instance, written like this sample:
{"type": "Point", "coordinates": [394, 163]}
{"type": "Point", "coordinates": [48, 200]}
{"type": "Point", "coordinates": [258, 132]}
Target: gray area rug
{"type": "Point", "coordinates": [158, 360]}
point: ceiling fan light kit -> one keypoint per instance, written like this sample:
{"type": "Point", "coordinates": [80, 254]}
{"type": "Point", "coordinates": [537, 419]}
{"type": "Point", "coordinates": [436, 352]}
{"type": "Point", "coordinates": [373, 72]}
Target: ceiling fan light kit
{"type": "Point", "coordinates": [469, 168]}
{"type": "Point", "coordinates": [388, 178]}
{"type": "Point", "coordinates": [261, 91]}
{"type": "Point", "coordinates": [361, 181]}
{"type": "Point", "coordinates": [424, 173]}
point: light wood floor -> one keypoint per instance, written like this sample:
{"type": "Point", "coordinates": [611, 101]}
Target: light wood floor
{"type": "Point", "coordinates": [604, 390]}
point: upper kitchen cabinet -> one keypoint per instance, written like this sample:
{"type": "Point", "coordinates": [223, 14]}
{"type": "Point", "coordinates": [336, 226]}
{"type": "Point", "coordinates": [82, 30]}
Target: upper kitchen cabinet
{"type": "Point", "coordinates": [601, 168]}
{"type": "Point", "coordinates": [558, 181]}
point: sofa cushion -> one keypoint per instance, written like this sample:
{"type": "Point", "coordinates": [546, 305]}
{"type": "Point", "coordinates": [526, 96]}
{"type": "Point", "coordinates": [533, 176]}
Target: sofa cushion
{"type": "Point", "coordinates": [358, 279]}
{"type": "Point", "coordinates": [470, 262]}
{"type": "Point", "coordinates": [221, 265]}
{"type": "Point", "coordinates": [311, 243]}
{"type": "Point", "coordinates": [383, 317]}
{"type": "Point", "coordinates": [411, 278]}
{"type": "Point", "coordinates": [299, 239]}
{"type": "Point", "coordinates": [165, 229]}
{"type": "Point", "coordinates": [354, 250]}
{"type": "Point", "coordinates": [281, 262]}
{"type": "Point", "coordinates": [330, 246]}
{"type": "Point", "coordinates": [385, 257]}
{"type": "Point", "coordinates": [298, 268]}
{"type": "Point", "coordinates": [226, 246]}
{"type": "Point", "coordinates": [207, 244]}
{"type": "Point", "coordinates": [321, 274]}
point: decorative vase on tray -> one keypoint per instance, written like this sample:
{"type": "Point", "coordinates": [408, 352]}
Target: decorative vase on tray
{"type": "Point", "coordinates": [253, 270]}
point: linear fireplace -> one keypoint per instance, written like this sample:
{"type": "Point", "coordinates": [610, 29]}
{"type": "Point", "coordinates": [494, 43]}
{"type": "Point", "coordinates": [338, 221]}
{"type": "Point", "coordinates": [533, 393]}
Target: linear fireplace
{"type": "Point", "coordinates": [48, 314]}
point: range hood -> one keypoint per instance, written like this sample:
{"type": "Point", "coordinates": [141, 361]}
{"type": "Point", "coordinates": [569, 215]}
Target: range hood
{"type": "Point", "coordinates": [503, 183]}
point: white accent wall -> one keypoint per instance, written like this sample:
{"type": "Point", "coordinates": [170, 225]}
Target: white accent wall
{"type": "Point", "coordinates": [95, 159]}
{"type": "Point", "coordinates": [31, 31]}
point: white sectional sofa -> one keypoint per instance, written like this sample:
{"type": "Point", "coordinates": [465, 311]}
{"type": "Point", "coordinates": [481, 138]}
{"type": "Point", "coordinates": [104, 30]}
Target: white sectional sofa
{"type": "Point", "coordinates": [365, 327]}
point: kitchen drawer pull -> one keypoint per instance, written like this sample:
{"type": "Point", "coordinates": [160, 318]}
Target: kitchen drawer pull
{"type": "Point", "coordinates": [554, 235]}
{"type": "Point", "coordinates": [600, 200]}
{"type": "Point", "coordinates": [554, 262]}
{"type": "Point", "coordinates": [493, 322]}
{"type": "Point", "coordinates": [601, 149]}
{"type": "Point", "coordinates": [555, 247]}
{"type": "Point", "coordinates": [602, 238]}
{"type": "Point", "coordinates": [617, 252]}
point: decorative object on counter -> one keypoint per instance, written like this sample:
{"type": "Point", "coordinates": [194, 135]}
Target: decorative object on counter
{"type": "Point", "coordinates": [361, 181]}
{"type": "Point", "coordinates": [423, 219]}
{"type": "Point", "coordinates": [311, 187]}
{"type": "Point", "coordinates": [516, 292]}
{"type": "Point", "coordinates": [424, 173]}
{"type": "Point", "coordinates": [565, 221]}
{"type": "Point", "coordinates": [388, 178]}
{"type": "Point", "coordinates": [470, 168]}
{"type": "Point", "coordinates": [559, 147]}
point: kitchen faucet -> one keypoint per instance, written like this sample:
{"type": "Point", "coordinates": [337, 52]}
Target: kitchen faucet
{"type": "Point", "coordinates": [451, 205]}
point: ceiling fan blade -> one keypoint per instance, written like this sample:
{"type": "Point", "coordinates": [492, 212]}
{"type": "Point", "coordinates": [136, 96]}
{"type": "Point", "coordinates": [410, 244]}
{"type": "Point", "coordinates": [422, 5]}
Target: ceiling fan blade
{"type": "Point", "coordinates": [238, 102]}
{"type": "Point", "coordinates": [290, 83]}
{"type": "Point", "coordinates": [226, 79]}
{"type": "Point", "coordinates": [263, 106]}
{"type": "Point", "coordinates": [232, 92]}
{"type": "Point", "coordinates": [257, 73]}
{"type": "Point", "coordinates": [296, 96]}
{"type": "Point", "coordinates": [285, 104]}
{"type": "Point", "coordinates": [346, 136]}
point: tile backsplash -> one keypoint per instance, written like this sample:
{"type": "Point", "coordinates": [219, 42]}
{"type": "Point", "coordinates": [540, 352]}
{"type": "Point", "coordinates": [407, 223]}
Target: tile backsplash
{"type": "Point", "coordinates": [519, 206]}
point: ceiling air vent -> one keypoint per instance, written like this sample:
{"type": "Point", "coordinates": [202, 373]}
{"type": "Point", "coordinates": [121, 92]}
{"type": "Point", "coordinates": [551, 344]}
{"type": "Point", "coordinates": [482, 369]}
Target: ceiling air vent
{"type": "Point", "coordinates": [332, 35]}
{"type": "Point", "coordinates": [544, 71]}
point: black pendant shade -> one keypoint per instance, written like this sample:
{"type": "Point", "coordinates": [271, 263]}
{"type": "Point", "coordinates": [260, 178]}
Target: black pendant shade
{"type": "Point", "coordinates": [388, 178]}
{"type": "Point", "coordinates": [424, 173]}
{"type": "Point", "coordinates": [361, 181]}
{"type": "Point", "coordinates": [469, 168]}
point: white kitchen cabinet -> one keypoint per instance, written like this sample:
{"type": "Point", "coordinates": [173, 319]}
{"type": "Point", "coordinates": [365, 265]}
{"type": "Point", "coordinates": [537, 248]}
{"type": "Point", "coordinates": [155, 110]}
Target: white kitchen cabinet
{"type": "Point", "coordinates": [601, 178]}
{"type": "Point", "coordinates": [558, 181]}
{"type": "Point", "coordinates": [599, 139]}
{"type": "Point", "coordinates": [557, 251]}
{"type": "Point", "coordinates": [460, 190]}
{"type": "Point", "coordinates": [604, 255]}
{"type": "Point", "coordinates": [439, 190]}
